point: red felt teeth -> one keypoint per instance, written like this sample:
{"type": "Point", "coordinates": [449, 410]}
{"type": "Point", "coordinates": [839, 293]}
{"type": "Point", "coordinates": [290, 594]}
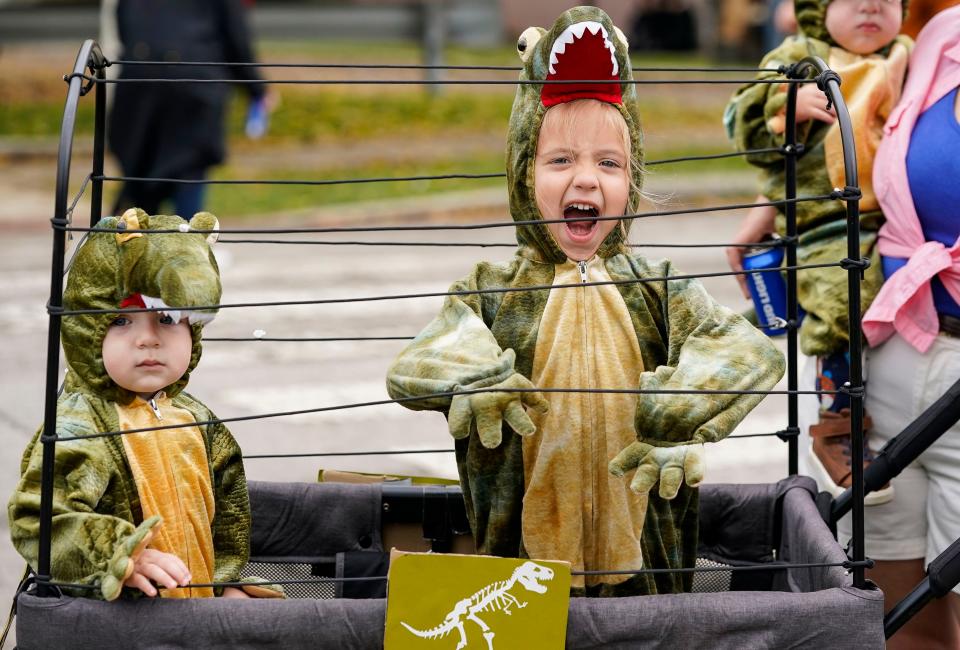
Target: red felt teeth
{"type": "Point", "coordinates": [586, 58]}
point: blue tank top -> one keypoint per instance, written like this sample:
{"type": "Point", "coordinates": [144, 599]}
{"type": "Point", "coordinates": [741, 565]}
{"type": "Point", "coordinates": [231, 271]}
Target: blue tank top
{"type": "Point", "coordinates": [933, 171]}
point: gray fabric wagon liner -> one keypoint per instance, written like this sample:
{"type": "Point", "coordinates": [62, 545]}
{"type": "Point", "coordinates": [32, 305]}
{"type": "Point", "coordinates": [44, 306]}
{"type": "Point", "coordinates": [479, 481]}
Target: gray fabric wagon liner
{"type": "Point", "coordinates": [292, 522]}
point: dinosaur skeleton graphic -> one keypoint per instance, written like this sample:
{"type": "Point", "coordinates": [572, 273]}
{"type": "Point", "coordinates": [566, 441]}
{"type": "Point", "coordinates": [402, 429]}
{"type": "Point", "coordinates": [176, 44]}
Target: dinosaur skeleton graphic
{"type": "Point", "coordinates": [492, 598]}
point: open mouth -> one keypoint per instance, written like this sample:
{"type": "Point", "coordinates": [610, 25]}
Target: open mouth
{"type": "Point", "coordinates": [584, 216]}
{"type": "Point", "coordinates": [582, 52]}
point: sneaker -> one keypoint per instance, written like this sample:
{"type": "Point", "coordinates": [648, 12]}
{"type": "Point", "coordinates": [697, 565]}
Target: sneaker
{"type": "Point", "coordinates": [831, 458]}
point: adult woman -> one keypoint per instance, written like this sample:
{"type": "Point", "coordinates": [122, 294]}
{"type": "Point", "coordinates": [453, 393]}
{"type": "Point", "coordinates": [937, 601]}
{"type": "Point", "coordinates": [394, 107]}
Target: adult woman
{"type": "Point", "coordinates": [913, 325]}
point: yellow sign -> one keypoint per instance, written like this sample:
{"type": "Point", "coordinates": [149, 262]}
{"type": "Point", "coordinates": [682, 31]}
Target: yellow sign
{"type": "Point", "coordinates": [462, 602]}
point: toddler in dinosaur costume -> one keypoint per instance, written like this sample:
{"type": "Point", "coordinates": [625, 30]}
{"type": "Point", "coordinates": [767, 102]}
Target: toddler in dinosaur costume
{"type": "Point", "coordinates": [165, 507]}
{"type": "Point", "coordinates": [546, 483]}
{"type": "Point", "coordinates": [858, 40]}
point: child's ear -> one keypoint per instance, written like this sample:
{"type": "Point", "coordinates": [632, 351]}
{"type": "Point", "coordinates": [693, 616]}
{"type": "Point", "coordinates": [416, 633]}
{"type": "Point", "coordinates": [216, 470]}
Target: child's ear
{"type": "Point", "coordinates": [206, 221]}
{"type": "Point", "coordinates": [528, 39]}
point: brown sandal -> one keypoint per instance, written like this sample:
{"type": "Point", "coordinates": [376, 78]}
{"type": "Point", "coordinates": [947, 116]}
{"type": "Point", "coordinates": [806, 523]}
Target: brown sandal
{"type": "Point", "coordinates": [831, 457]}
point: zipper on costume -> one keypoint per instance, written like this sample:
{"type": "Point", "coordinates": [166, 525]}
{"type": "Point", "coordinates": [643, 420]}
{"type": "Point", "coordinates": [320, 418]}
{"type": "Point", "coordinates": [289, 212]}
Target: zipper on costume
{"type": "Point", "coordinates": [156, 409]}
{"type": "Point", "coordinates": [587, 352]}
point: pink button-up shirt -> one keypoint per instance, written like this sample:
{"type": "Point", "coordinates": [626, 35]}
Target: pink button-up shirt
{"type": "Point", "coordinates": [905, 302]}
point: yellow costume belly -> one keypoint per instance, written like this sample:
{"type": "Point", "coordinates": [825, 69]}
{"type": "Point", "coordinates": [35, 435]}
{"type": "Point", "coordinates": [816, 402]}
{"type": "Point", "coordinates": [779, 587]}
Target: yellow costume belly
{"type": "Point", "coordinates": [173, 480]}
{"type": "Point", "coordinates": [871, 87]}
{"type": "Point", "coordinates": [573, 508]}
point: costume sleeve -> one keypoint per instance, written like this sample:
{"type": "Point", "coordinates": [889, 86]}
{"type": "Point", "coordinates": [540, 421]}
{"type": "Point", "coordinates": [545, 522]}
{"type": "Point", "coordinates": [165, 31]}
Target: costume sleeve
{"type": "Point", "coordinates": [231, 521]}
{"type": "Point", "coordinates": [709, 347]}
{"type": "Point", "coordinates": [455, 351]}
{"type": "Point", "coordinates": [86, 547]}
{"type": "Point", "coordinates": [755, 117]}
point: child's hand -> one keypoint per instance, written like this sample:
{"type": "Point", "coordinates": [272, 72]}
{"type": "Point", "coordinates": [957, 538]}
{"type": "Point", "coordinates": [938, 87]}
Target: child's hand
{"type": "Point", "coordinates": [755, 227]}
{"type": "Point", "coordinates": [121, 566]}
{"type": "Point", "coordinates": [165, 569]}
{"type": "Point", "coordinates": [812, 105]}
{"type": "Point", "coordinates": [668, 465]}
{"type": "Point", "coordinates": [234, 592]}
{"type": "Point", "coordinates": [491, 409]}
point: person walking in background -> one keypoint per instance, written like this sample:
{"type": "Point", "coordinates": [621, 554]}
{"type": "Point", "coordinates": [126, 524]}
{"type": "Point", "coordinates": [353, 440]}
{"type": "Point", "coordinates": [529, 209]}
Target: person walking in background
{"type": "Point", "coordinates": [164, 130]}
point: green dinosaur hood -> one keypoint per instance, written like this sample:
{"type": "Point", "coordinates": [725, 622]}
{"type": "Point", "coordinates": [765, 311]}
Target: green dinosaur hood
{"type": "Point", "coordinates": [812, 16]}
{"type": "Point", "coordinates": [536, 46]}
{"type": "Point", "coordinates": [178, 269]}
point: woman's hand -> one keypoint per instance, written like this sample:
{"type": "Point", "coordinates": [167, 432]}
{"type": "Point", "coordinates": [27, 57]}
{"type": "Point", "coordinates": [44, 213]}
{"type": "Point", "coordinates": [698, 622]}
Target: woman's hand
{"type": "Point", "coordinates": [153, 566]}
{"type": "Point", "coordinates": [757, 226]}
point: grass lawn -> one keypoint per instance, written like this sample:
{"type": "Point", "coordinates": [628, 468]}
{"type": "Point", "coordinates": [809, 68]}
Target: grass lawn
{"type": "Point", "coordinates": [678, 120]}
{"type": "Point", "coordinates": [260, 199]}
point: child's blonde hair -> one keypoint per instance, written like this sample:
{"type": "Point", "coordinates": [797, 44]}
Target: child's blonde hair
{"type": "Point", "coordinates": [568, 114]}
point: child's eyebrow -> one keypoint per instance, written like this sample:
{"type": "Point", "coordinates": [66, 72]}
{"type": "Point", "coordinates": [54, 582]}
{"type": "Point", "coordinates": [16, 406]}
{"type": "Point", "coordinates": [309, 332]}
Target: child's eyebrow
{"type": "Point", "coordinates": [553, 151]}
{"type": "Point", "coordinates": [612, 153]}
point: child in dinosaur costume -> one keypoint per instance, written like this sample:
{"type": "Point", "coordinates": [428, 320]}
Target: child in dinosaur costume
{"type": "Point", "coordinates": [547, 484]}
{"type": "Point", "coordinates": [167, 507]}
{"type": "Point", "coordinates": [858, 40]}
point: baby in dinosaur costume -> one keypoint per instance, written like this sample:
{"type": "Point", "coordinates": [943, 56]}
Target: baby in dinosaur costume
{"type": "Point", "coordinates": [858, 40]}
{"type": "Point", "coordinates": [167, 507]}
{"type": "Point", "coordinates": [546, 483]}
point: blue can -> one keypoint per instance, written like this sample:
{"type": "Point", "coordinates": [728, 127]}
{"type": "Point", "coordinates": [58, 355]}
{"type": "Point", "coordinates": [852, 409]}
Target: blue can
{"type": "Point", "coordinates": [768, 288]}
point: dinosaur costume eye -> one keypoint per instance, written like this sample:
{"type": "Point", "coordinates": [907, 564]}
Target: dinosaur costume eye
{"type": "Point", "coordinates": [527, 40]}
{"type": "Point", "coordinates": [129, 222]}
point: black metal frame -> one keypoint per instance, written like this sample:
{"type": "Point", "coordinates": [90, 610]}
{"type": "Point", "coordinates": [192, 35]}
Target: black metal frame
{"type": "Point", "coordinates": [90, 57]}
{"type": "Point", "coordinates": [829, 82]}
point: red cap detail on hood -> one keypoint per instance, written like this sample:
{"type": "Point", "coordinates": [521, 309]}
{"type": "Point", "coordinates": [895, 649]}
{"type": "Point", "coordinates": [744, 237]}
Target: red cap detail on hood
{"type": "Point", "coordinates": [586, 58]}
{"type": "Point", "coordinates": [133, 300]}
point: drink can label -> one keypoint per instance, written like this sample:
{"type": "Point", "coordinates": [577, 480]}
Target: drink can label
{"type": "Point", "coordinates": [768, 288]}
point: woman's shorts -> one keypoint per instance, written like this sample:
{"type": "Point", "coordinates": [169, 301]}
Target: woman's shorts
{"type": "Point", "coordinates": [923, 518]}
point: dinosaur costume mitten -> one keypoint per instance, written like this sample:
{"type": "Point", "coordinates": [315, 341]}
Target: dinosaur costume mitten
{"type": "Point", "coordinates": [180, 490]}
{"type": "Point", "coordinates": [538, 483]}
{"type": "Point", "coordinates": [756, 119]}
